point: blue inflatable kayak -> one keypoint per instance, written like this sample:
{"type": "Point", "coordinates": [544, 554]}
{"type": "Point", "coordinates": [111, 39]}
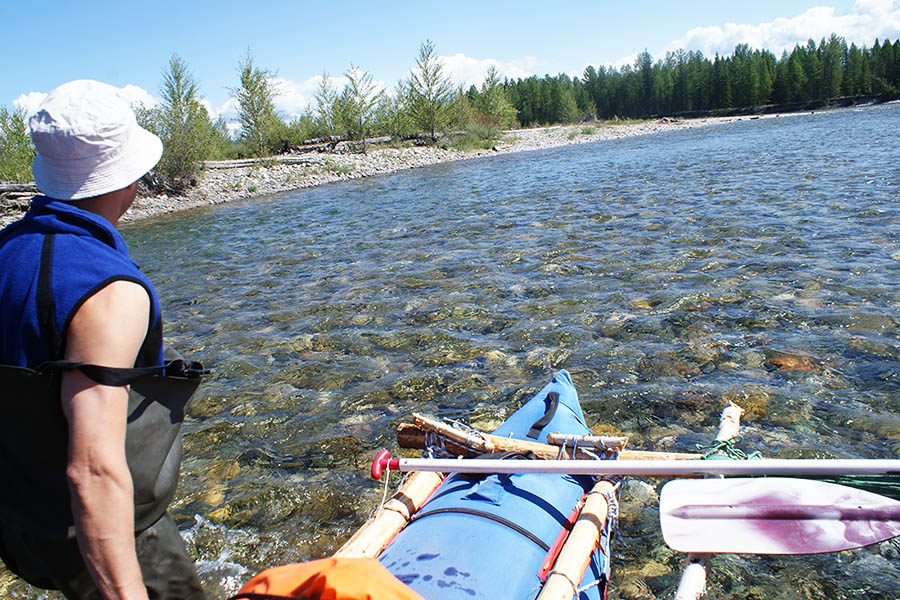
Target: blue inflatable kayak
{"type": "Point", "coordinates": [487, 536]}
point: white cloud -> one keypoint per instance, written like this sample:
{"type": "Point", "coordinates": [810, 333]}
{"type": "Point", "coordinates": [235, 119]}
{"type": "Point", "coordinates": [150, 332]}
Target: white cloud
{"type": "Point", "coordinates": [209, 108]}
{"type": "Point", "coordinates": [29, 102]}
{"type": "Point", "coordinates": [228, 110]}
{"type": "Point", "coordinates": [293, 97]}
{"type": "Point", "coordinates": [869, 19]}
{"type": "Point", "coordinates": [137, 96]}
{"type": "Point", "coordinates": [626, 60]}
{"type": "Point", "coordinates": [467, 71]}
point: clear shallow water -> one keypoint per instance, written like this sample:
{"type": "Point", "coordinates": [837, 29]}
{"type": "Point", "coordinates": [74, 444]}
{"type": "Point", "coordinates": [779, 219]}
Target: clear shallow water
{"type": "Point", "coordinates": [757, 262]}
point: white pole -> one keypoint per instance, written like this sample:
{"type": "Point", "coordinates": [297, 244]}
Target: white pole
{"type": "Point", "coordinates": [654, 468]}
{"type": "Point", "coordinates": [696, 567]}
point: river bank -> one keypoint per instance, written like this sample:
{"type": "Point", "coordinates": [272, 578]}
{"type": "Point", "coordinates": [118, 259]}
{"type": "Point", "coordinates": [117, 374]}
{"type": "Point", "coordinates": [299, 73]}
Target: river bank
{"type": "Point", "coordinates": [220, 185]}
{"type": "Point", "coordinates": [267, 177]}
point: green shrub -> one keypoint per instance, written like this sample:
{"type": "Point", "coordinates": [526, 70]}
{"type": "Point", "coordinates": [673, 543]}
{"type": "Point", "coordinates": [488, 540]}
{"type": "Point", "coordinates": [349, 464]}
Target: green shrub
{"type": "Point", "coordinates": [16, 150]}
{"type": "Point", "coordinates": [476, 137]}
{"type": "Point", "coordinates": [181, 121]}
{"type": "Point", "coordinates": [493, 101]}
{"type": "Point", "coordinates": [356, 107]}
{"type": "Point", "coordinates": [332, 167]}
{"type": "Point", "coordinates": [183, 124]}
{"type": "Point", "coordinates": [221, 144]}
{"type": "Point", "coordinates": [392, 115]}
{"type": "Point", "coordinates": [305, 127]}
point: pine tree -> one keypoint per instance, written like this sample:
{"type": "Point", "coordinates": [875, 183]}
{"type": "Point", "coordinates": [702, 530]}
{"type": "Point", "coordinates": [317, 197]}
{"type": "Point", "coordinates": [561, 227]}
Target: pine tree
{"type": "Point", "coordinates": [183, 125]}
{"type": "Point", "coordinates": [851, 84]}
{"type": "Point", "coordinates": [256, 112]}
{"type": "Point", "coordinates": [644, 65]}
{"type": "Point", "coordinates": [781, 85]}
{"type": "Point", "coordinates": [721, 84]}
{"type": "Point", "coordinates": [354, 112]}
{"type": "Point", "coordinates": [797, 76]}
{"type": "Point", "coordinates": [494, 102]}
{"type": "Point", "coordinates": [812, 68]}
{"type": "Point", "coordinates": [832, 70]}
{"type": "Point", "coordinates": [430, 92]}
{"type": "Point", "coordinates": [326, 96]}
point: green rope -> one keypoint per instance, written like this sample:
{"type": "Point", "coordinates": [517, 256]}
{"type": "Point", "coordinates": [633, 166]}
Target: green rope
{"type": "Point", "coordinates": [726, 450]}
{"type": "Point", "coordinates": [884, 485]}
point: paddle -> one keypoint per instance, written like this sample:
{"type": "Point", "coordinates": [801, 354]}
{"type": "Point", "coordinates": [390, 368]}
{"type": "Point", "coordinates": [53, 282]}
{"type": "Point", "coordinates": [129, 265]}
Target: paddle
{"type": "Point", "coordinates": [654, 468]}
{"type": "Point", "coordinates": [773, 516]}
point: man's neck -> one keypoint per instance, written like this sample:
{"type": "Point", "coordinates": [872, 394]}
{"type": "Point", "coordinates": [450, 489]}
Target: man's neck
{"type": "Point", "coordinates": [111, 206]}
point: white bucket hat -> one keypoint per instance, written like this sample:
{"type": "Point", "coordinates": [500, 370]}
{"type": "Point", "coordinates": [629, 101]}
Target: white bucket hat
{"type": "Point", "coordinates": [88, 142]}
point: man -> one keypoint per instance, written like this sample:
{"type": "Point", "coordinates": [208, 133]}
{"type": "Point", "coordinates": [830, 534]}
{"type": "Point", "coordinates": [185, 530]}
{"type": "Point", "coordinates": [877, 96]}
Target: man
{"type": "Point", "coordinates": [92, 450]}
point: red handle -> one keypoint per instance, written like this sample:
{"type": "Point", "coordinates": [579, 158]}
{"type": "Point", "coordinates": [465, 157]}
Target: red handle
{"type": "Point", "coordinates": [382, 461]}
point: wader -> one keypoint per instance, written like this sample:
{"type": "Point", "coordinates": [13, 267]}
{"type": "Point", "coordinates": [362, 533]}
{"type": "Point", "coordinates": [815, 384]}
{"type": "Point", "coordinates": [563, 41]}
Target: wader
{"type": "Point", "coordinates": [37, 537]}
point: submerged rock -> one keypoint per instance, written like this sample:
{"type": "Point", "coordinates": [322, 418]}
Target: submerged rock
{"type": "Point", "coordinates": [793, 361]}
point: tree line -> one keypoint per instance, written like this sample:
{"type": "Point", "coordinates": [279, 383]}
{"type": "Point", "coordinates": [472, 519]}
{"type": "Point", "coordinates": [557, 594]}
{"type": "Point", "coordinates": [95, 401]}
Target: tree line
{"type": "Point", "coordinates": [685, 82]}
{"type": "Point", "coordinates": [426, 104]}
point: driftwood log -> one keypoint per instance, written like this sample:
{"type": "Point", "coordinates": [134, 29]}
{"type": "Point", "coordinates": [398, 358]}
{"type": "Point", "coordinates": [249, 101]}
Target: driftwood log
{"type": "Point", "coordinates": [12, 187]}
{"type": "Point", "coordinates": [10, 190]}
{"type": "Point", "coordinates": [251, 162]}
{"type": "Point", "coordinates": [154, 183]}
{"type": "Point", "coordinates": [462, 443]}
{"type": "Point", "coordinates": [16, 197]}
{"type": "Point", "coordinates": [333, 144]}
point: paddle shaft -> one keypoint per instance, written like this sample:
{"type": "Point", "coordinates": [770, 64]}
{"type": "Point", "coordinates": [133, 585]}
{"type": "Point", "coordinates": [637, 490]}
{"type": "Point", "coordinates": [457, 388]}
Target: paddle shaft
{"type": "Point", "coordinates": [796, 512]}
{"type": "Point", "coordinates": [654, 468]}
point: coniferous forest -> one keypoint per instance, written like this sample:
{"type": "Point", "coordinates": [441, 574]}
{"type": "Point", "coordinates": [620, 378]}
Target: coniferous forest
{"type": "Point", "coordinates": [689, 82]}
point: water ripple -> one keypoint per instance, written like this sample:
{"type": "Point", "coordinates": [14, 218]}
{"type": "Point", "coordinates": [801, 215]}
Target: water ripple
{"type": "Point", "coordinates": [755, 262]}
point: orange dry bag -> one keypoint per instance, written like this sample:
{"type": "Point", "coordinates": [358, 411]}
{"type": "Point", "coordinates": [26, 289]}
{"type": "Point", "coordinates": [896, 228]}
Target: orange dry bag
{"type": "Point", "coordinates": [328, 579]}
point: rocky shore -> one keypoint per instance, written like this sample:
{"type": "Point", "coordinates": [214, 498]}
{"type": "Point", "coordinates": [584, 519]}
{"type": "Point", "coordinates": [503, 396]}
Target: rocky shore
{"type": "Point", "coordinates": [219, 184]}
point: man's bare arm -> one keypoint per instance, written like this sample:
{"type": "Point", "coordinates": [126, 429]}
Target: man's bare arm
{"type": "Point", "coordinates": [107, 330]}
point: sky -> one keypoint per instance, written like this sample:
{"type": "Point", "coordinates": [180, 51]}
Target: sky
{"type": "Point", "coordinates": [128, 44]}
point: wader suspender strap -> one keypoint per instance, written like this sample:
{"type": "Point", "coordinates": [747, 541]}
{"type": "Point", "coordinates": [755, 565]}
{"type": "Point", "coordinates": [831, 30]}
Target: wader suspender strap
{"type": "Point", "coordinates": [114, 376]}
{"type": "Point", "coordinates": [551, 401]}
{"type": "Point", "coordinates": [103, 375]}
{"type": "Point", "coordinates": [45, 305]}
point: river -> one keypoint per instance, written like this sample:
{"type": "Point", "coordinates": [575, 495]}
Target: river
{"type": "Point", "coordinates": [757, 261]}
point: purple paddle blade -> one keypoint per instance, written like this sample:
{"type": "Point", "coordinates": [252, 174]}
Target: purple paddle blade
{"type": "Point", "coordinates": [773, 516]}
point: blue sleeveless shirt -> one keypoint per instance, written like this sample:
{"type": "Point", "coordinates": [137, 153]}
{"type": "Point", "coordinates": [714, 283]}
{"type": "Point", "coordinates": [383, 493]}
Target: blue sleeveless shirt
{"type": "Point", "coordinates": [51, 261]}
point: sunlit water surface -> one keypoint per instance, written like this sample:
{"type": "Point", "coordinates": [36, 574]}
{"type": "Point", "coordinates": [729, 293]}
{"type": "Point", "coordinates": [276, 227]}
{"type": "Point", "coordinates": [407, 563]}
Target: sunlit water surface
{"type": "Point", "coordinates": [757, 262]}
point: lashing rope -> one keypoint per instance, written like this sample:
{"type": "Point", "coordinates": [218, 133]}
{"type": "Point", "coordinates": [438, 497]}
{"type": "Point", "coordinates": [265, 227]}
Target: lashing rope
{"type": "Point", "coordinates": [885, 485]}
{"type": "Point", "coordinates": [727, 449]}
{"type": "Point", "coordinates": [471, 433]}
